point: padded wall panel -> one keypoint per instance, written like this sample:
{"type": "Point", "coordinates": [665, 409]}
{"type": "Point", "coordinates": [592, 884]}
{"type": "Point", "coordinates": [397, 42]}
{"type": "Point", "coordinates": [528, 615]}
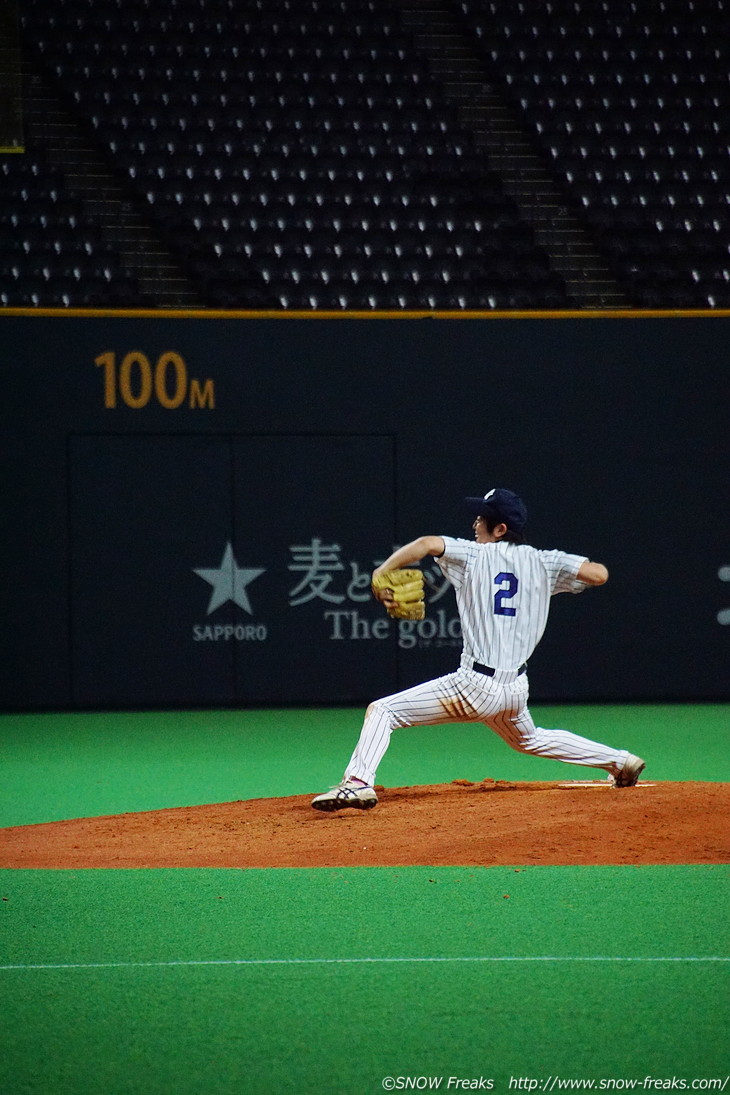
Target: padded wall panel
{"type": "Point", "coordinates": [213, 570]}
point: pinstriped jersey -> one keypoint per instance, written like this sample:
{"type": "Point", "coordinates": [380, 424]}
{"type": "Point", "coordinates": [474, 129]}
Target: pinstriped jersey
{"type": "Point", "coordinates": [503, 594]}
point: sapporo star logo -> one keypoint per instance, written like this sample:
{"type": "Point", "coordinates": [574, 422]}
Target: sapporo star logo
{"type": "Point", "coordinates": [229, 582]}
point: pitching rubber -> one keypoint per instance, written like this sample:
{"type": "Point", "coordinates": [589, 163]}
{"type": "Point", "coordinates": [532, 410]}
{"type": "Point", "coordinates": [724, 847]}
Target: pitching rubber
{"type": "Point", "coordinates": [596, 784]}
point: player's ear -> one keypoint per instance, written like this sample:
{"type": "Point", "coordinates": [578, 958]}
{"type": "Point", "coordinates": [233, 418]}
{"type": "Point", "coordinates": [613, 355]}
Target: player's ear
{"type": "Point", "coordinates": [499, 530]}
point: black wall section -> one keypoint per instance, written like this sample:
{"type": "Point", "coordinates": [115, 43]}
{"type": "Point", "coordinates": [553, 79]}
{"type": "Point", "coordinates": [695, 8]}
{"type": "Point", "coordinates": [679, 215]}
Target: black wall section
{"type": "Point", "coordinates": [140, 506]}
{"type": "Point", "coordinates": [214, 570]}
{"type": "Point", "coordinates": [192, 506]}
{"type": "Point", "coordinates": [317, 512]}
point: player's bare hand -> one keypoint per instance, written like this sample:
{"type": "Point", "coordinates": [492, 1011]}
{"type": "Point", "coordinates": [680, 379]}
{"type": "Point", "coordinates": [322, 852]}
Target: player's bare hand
{"type": "Point", "coordinates": [385, 596]}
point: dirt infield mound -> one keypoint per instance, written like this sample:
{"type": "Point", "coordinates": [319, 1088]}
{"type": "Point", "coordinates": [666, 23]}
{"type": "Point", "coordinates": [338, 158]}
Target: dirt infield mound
{"type": "Point", "coordinates": [459, 824]}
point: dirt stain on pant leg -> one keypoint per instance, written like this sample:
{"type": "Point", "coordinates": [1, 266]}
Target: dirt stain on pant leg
{"type": "Point", "coordinates": [456, 709]}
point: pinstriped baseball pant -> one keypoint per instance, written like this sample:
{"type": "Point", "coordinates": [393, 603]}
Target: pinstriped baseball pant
{"type": "Point", "coordinates": [468, 696]}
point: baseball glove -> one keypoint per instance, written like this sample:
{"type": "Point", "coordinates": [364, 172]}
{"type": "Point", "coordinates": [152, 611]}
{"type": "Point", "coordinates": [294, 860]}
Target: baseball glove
{"type": "Point", "coordinates": [406, 588]}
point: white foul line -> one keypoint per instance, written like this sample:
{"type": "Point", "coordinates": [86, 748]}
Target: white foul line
{"type": "Point", "coordinates": [353, 961]}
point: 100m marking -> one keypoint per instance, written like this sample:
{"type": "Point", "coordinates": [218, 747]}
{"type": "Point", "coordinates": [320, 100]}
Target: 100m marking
{"type": "Point", "coordinates": [135, 382]}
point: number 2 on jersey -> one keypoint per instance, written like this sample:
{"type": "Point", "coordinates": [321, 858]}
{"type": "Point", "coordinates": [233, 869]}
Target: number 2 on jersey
{"type": "Point", "coordinates": [507, 579]}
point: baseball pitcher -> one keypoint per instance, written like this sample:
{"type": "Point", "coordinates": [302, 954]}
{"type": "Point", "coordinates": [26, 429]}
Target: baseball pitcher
{"type": "Point", "coordinates": [503, 589]}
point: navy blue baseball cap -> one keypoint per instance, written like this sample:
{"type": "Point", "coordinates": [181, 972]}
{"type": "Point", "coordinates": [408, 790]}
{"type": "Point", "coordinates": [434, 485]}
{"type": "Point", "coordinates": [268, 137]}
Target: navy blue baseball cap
{"type": "Point", "coordinates": [502, 504]}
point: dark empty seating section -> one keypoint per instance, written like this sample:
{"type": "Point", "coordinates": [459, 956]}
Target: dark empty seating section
{"type": "Point", "coordinates": [293, 153]}
{"type": "Point", "coordinates": [298, 153]}
{"type": "Point", "coordinates": [49, 253]}
{"type": "Point", "coordinates": [629, 105]}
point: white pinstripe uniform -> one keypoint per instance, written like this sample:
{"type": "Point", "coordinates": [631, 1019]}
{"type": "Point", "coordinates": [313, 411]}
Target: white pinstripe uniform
{"type": "Point", "coordinates": [503, 594]}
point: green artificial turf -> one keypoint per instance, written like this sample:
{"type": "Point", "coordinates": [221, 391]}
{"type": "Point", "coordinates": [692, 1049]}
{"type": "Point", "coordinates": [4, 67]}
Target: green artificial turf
{"type": "Point", "coordinates": [91, 764]}
{"type": "Point", "coordinates": [331, 980]}
{"type": "Point", "coordinates": [256, 982]}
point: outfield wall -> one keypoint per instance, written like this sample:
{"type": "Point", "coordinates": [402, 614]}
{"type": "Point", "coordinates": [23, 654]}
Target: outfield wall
{"type": "Point", "coordinates": [193, 503]}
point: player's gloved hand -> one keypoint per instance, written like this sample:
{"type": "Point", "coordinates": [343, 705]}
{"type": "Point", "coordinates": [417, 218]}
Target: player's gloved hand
{"type": "Point", "coordinates": [401, 591]}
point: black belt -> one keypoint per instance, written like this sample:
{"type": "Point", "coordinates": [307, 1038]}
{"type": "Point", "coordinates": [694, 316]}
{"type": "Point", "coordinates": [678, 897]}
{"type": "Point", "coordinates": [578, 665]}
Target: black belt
{"type": "Point", "coordinates": [489, 672]}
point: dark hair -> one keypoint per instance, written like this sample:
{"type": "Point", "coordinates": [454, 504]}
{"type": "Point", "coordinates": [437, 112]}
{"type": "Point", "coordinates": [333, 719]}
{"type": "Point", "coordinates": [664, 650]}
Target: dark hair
{"type": "Point", "coordinates": [510, 536]}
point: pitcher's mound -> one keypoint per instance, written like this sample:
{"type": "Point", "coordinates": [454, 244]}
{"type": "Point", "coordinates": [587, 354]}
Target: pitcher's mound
{"type": "Point", "coordinates": [460, 824]}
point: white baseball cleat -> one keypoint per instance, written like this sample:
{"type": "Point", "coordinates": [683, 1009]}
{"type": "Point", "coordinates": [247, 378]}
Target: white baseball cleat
{"type": "Point", "coordinates": [629, 774]}
{"type": "Point", "coordinates": [347, 793]}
